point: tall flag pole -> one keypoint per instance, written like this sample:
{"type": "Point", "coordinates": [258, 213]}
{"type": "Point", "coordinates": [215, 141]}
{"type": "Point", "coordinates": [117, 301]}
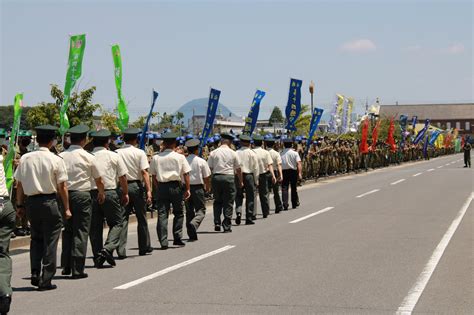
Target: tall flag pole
{"type": "Point", "coordinates": [293, 106]}
{"type": "Point", "coordinates": [210, 116]}
{"type": "Point", "coordinates": [315, 119]}
{"type": "Point", "coordinates": [422, 132]}
{"type": "Point", "coordinates": [8, 162]}
{"type": "Point", "coordinates": [251, 120]}
{"type": "Point", "coordinates": [145, 128]}
{"type": "Point", "coordinates": [77, 45]}
{"type": "Point", "coordinates": [122, 120]}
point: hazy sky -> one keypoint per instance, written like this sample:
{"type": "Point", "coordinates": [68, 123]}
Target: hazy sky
{"type": "Point", "coordinates": [410, 51]}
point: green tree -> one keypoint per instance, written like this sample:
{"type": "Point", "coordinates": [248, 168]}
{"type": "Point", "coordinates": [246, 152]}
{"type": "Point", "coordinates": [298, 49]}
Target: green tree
{"type": "Point", "coordinates": [109, 120]}
{"type": "Point", "coordinates": [303, 121]}
{"type": "Point", "coordinates": [81, 109]}
{"type": "Point", "coordinates": [276, 116]}
{"type": "Point", "coordinates": [6, 117]}
{"type": "Point", "coordinates": [140, 121]}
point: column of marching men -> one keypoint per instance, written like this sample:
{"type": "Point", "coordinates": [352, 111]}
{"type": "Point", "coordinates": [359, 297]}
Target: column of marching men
{"type": "Point", "coordinates": [73, 193]}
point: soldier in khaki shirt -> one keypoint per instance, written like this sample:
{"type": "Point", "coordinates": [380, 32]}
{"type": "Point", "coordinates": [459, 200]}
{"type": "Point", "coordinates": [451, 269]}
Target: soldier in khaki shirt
{"type": "Point", "coordinates": [140, 195]}
{"type": "Point", "coordinates": [277, 171]}
{"type": "Point", "coordinates": [40, 176]}
{"type": "Point", "coordinates": [167, 169]}
{"type": "Point", "coordinates": [266, 175]}
{"type": "Point", "coordinates": [250, 175]}
{"type": "Point", "coordinates": [82, 170]}
{"type": "Point", "coordinates": [113, 170]}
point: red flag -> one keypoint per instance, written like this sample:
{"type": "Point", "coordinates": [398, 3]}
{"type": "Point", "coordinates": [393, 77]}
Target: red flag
{"type": "Point", "coordinates": [364, 147]}
{"type": "Point", "coordinates": [390, 140]}
{"type": "Point", "coordinates": [375, 135]}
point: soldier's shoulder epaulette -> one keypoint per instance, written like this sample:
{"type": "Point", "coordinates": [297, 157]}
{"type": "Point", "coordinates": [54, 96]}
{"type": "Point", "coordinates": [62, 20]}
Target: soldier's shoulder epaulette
{"type": "Point", "coordinates": [57, 154]}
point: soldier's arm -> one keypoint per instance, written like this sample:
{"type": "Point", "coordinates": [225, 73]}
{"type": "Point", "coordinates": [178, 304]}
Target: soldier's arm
{"type": "Point", "coordinates": [300, 175]}
{"type": "Point", "coordinates": [124, 187]}
{"type": "Point", "coordinates": [146, 179]}
{"type": "Point", "coordinates": [20, 196]}
{"type": "Point", "coordinates": [101, 190]}
{"type": "Point", "coordinates": [187, 185]}
{"type": "Point", "coordinates": [63, 193]}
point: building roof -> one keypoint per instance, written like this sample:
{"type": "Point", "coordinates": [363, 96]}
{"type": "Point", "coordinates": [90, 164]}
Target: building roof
{"type": "Point", "coordinates": [431, 111]}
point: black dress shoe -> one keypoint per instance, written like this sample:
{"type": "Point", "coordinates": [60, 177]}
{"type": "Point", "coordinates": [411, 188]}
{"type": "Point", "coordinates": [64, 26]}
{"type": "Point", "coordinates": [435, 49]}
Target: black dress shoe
{"type": "Point", "coordinates": [108, 257]}
{"type": "Point", "coordinates": [178, 243]}
{"type": "Point", "coordinates": [165, 247]}
{"type": "Point", "coordinates": [121, 257]}
{"type": "Point", "coordinates": [285, 208]}
{"type": "Point", "coordinates": [47, 287]}
{"type": "Point", "coordinates": [66, 271]}
{"type": "Point", "coordinates": [80, 276]}
{"type": "Point", "coordinates": [99, 261]}
{"type": "Point", "coordinates": [265, 216]}
{"type": "Point", "coordinates": [254, 217]}
{"type": "Point", "coordinates": [192, 233]}
{"type": "Point", "coordinates": [217, 228]}
{"type": "Point", "coordinates": [35, 279]}
{"type": "Point", "coordinates": [146, 251]}
{"type": "Point", "coordinates": [249, 222]}
{"type": "Point", "coordinates": [238, 219]}
{"type": "Point", "coordinates": [5, 302]}
{"type": "Point", "coordinates": [228, 231]}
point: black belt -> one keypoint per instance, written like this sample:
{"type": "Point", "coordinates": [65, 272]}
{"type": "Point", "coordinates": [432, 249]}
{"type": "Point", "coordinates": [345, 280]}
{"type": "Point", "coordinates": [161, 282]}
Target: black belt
{"type": "Point", "coordinates": [134, 181]}
{"type": "Point", "coordinates": [247, 173]}
{"type": "Point", "coordinates": [197, 185]}
{"type": "Point", "coordinates": [42, 195]}
{"type": "Point", "coordinates": [171, 182]}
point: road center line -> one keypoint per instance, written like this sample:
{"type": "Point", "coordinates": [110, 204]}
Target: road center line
{"type": "Point", "coordinates": [410, 301]}
{"type": "Point", "coordinates": [431, 170]}
{"type": "Point", "coordinates": [173, 268]}
{"type": "Point", "coordinates": [417, 174]}
{"type": "Point", "coordinates": [440, 166]}
{"type": "Point", "coordinates": [312, 215]}
{"type": "Point", "coordinates": [367, 193]}
{"type": "Point", "coordinates": [398, 182]}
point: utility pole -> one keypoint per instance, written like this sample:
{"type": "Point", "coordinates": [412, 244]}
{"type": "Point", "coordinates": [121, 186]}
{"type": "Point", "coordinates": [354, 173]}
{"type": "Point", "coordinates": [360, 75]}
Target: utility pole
{"type": "Point", "coordinates": [311, 91]}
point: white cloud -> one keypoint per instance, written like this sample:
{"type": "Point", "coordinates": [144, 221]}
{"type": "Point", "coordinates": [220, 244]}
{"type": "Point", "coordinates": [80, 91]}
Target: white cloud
{"type": "Point", "coordinates": [359, 46]}
{"type": "Point", "coordinates": [455, 49]}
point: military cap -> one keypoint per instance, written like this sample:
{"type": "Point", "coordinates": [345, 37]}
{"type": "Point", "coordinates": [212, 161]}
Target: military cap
{"type": "Point", "coordinates": [269, 139]}
{"type": "Point", "coordinates": [245, 138]}
{"type": "Point", "coordinates": [132, 131]}
{"type": "Point", "coordinates": [287, 140]}
{"type": "Point", "coordinates": [102, 133]}
{"type": "Point", "coordinates": [257, 138]}
{"type": "Point", "coordinates": [191, 143]}
{"type": "Point", "coordinates": [46, 130]}
{"type": "Point", "coordinates": [79, 129]}
{"type": "Point", "coordinates": [169, 136]}
{"type": "Point", "coordinates": [227, 136]}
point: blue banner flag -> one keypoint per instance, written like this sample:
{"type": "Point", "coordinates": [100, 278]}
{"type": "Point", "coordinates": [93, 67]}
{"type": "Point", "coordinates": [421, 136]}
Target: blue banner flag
{"type": "Point", "coordinates": [210, 116]}
{"type": "Point", "coordinates": [145, 128]}
{"type": "Point", "coordinates": [403, 126]}
{"type": "Point", "coordinates": [251, 120]}
{"type": "Point", "coordinates": [315, 118]}
{"type": "Point", "coordinates": [422, 132]}
{"type": "Point", "coordinates": [414, 120]}
{"type": "Point", "coordinates": [425, 146]}
{"type": "Point", "coordinates": [293, 107]}
{"type": "Point", "coordinates": [434, 136]}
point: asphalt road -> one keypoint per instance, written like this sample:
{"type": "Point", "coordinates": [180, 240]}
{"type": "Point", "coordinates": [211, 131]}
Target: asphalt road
{"type": "Point", "coordinates": [381, 242]}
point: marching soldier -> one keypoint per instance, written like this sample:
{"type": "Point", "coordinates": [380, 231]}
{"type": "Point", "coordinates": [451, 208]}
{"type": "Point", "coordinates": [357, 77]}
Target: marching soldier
{"type": "Point", "coordinates": [224, 163]}
{"type": "Point", "coordinates": [82, 169]}
{"type": "Point", "coordinates": [467, 152]}
{"type": "Point", "coordinates": [40, 176]}
{"type": "Point", "coordinates": [7, 225]}
{"type": "Point", "coordinates": [265, 166]}
{"type": "Point", "coordinates": [277, 171]}
{"type": "Point", "coordinates": [113, 170]}
{"type": "Point", "coordinates": [200, 183]}
{"type": "Point", "coordinates": [139, 195]}
{"type": "Point", "coordinates": [249, 167]}
{"type": "Point", "coordinates": [291, 165]}
{"type": "Point", "coordinates": [167, 169]}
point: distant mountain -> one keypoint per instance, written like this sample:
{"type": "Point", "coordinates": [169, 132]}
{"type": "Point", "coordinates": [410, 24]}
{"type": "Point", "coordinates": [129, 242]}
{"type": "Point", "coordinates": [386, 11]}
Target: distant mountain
{"type": "Point", "coordinates": [199, 106]}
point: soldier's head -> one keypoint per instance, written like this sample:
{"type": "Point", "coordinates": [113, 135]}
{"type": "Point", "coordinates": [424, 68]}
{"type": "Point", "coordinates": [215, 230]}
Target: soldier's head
{"type": "Point", "coordinates": [193, 146]}
{"type": "Point", "coordinates": [269, 142]}
{"type": "Point", "coordinates": [130, 135]}
{"type": "Point", "coordinates": [101, 138]}
{"type": "Point", "coordinates": [78, 135]}
{"type": "Point", "coordinates": [46, 135]}
{"type": "Point", "coordinates": [226, 138]}
{"type": "Point", "coordinates": [169, 140]}
{"type": "Point", "coordinates": [257, 140]}
{"type": "Point", "coordinates": [288, 143]}
{"type": "Point", "coordinates": [245, 140]}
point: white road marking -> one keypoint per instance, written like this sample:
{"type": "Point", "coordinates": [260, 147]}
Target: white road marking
{"type": "Point", "coordinates": [410, 301]}
{"type": "Point", "coordinates": [173, 268]}
{"type": "Point", "coordinates": [398, 182]}
{"type": "Point", "coordinates": [440, 166]}
{"type": "Point", "coordinates": [417, 174]}
{"type": "Point", "coordinates": [431, 170]}
{"type": "Point", "coordinates": [312, 214]}
{"type": "Point", "coordinates": [447, 164]}
{"type": "Point", "coordinates": [367, 193]}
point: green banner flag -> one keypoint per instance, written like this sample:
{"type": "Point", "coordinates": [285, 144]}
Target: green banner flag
{"type": "Point", "coordinates": [8, 162]}
{"type": "Point", "coordinates": [77, 44]}
{"type": "Point", "coordinates": [122, 120]}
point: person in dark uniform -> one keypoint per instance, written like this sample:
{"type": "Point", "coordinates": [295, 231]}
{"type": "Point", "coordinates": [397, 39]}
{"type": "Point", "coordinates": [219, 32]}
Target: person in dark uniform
{"type": "Point", "coordinates": [224, 164]}
{"type": "Point", "coordinates": [82, 169]}
{"type": "Point", "coordinates": [467, 152]}
{"type": "Point", "coordinates": [7, 225]}
{"type": "Point", "coordinates": [113, 171]}
{"type": "Point", "coordinates": [291, 165]}
{"type": "Point", "coordinates": [137, 165]}
{"type": "Point", "coordinates": [168, 168]}
{"type": "Point", "coordinates": [200, 183]}
{"type": "Point", "coordinates": [40, 176]}
{"type": "Point", "coordinates": [275, 186]}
